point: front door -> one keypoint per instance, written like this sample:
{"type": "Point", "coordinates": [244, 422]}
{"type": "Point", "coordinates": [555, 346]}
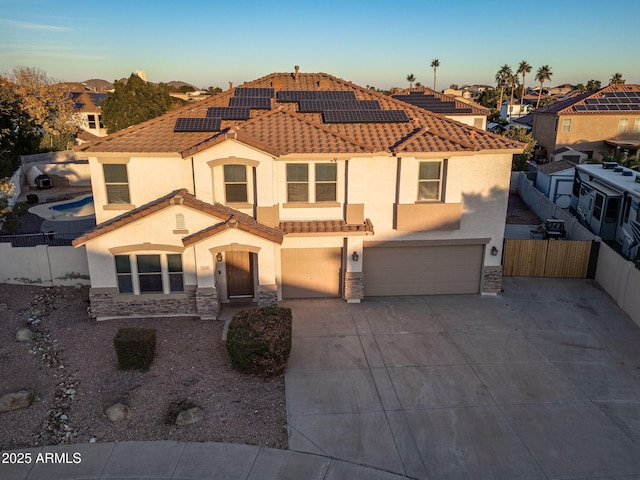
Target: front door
{"type": "Point", "coordinates": [239, 274]}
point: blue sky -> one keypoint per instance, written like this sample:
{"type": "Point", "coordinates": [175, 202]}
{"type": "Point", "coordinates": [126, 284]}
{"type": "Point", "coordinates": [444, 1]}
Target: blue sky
{"type": "Point", "coordinates": [209, 43]}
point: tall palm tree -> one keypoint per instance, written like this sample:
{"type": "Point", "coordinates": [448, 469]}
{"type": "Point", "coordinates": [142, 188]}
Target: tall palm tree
{"type": "Point", "coordinates": [435, 63]}
{"type": "Point", "coordinates": [544, 73]}
{"type": "Point", "coordinates": [502, 79]}
{"type": "Point", "coordinates": [411, 78]}
{"type": "Point", "coordinates": [523, 69]}
{"type": "Point", "coordinates": [616, 79]}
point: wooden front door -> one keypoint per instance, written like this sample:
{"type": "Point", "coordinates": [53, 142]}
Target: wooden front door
{"type": "Point", "coordinates": [239, 274]}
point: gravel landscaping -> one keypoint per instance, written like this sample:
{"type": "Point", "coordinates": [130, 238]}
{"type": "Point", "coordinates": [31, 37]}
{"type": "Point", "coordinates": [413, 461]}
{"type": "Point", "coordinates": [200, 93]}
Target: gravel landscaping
{"type": "Point", "coordinates": [70, 364]}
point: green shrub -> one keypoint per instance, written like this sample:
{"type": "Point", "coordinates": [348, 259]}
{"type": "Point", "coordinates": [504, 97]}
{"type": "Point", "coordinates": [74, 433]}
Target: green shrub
{"type": "Point", "coordinates": [259, 340]}
{"type": "Point", "coordinates": [135, 348]}
{"type": "Point", "coordinates": [32, 199]}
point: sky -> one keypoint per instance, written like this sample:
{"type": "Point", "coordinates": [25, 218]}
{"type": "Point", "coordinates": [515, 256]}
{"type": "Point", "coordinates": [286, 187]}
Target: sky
{"type": "Point", "coordinates": [212, 43]}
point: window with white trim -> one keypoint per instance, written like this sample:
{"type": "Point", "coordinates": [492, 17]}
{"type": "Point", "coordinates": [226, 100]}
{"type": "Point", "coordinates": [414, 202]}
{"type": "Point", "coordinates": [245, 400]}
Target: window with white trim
{"type": "Point", "coordinates": [92, 121]}
{"type": "Point", "coordinates": [297, 182]}
{"type": "Point", "coordinates": [312, 185]}
{"type": "Point", "coordinates": [235, 183]}
{"type": "Point", "coordinates": [429, 181]}
{"type": "Point", "coordinates": [636, 125]}
{"type": "Point", "coordinates": [116, 182]}
{"type": "Point", "coordinates": [149, 273]}
{"type": "Point", "coordinates": [326, 182]}
{"type": "Point", "coordinates": [566, 124]}
{"type": "Point", "coordinates": [623, 123]}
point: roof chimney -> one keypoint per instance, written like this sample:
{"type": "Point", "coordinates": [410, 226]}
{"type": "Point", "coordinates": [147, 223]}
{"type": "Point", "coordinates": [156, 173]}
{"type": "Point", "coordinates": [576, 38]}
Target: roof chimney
{"type": "Point", "coordinates": [295, 75]}
{"type": "Point", "coordinates": [230, 85]}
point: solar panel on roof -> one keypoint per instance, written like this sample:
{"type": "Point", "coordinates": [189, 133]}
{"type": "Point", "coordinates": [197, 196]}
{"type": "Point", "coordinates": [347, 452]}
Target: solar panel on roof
{"type": "Point", "coordinates": [202, 124]}
{"type": "Point", "coordinates": [229, 113]}
{"type": "Point", "coordinates": [254, 92]}
{"type": "Point", "coordinates": [262, 103]}
{"type": "Point", "coordinates": [365, 116]}
{"type": "Point", "coordinates": [98, 98]}
{"type": "Point", "coordinates": [297, 95]}
{"type": "Point", "coordinates": [322, 105]}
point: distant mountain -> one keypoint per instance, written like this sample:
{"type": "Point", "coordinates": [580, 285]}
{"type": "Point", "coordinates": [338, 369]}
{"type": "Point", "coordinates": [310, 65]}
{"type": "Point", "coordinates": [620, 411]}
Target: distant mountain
{"type": "Point", "coordinates": [177, 84]}
{"type": "Point", "coordinates": [99, 84]}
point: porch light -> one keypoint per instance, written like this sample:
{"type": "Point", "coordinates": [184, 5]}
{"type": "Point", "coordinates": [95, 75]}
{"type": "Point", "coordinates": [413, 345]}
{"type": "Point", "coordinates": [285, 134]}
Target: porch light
{"type": "Point", "coordinates": [219, 257]}
{"type": "Point", "coordinates": [355, 256]}
{"type": "Point", "coordinates": [494, 251]}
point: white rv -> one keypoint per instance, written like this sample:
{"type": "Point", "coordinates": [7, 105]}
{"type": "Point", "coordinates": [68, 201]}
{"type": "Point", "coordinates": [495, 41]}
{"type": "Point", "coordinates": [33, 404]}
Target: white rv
{"type": "Point", "coordinates": [606, 200]}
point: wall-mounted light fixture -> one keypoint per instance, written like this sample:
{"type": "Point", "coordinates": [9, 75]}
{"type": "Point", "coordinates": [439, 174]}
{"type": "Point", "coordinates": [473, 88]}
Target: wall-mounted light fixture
{"type": "Point", "coordinates": [494, 251]}
{"type": "Point", "coordinates": [219, 257]}
{"type": "Point", "coordinates": [355, 256]}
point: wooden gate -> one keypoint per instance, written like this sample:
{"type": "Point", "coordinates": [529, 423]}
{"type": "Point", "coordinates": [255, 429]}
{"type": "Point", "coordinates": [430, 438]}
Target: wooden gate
{"type": "Point", "coordinates": [549, 258]}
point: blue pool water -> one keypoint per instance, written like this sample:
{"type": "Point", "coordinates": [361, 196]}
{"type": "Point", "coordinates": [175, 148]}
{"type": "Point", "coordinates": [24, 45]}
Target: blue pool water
{"type": "Point", "coordinates": [77, 208]}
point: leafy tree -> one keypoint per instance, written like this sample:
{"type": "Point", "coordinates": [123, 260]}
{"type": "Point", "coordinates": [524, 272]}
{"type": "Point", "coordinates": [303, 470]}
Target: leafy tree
{"type": "Point", "coordinates": [543, 74]}
{"type": "Point", "coordinates": [489, 98]}
{"type": "Point", "coordinates": [435, 63]}
{"type": "Point", "coordinates": [214, 90]}
{"type": "Point", "coordinates": [47, 103]}
{"type": "Point", "coordinates": [616, 79]}
{"type": "Point", "coordinates": [581, 87]}
{"type": "Point", "coordinates": [411, 78]}
{"type": "Point", "coordinates": [186, 89]}
{"type": "Point", "coordinates": [593, 85]}
{"type": "Point", "coordinates": [621, 157]}
{"type": "Point", "coordinates": [418, 85]}
{"type": "Point", "coordinates": [18, 135]}
{"type": "Point", "coordinates": [133, 102]}
{"type": "Point", "coordinates": [503, 77]}
{"type": "Point", "coordinates": [523, 69]}
{"type": "Point", "coordinates": [521, 134]}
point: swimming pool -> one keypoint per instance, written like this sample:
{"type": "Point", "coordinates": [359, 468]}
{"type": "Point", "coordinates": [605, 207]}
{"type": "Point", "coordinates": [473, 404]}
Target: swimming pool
{"type": "Point", "coordinates": [78, 208]}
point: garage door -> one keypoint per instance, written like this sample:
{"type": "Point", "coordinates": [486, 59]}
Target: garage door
{"type": "Point", "coordinates": [422, 270]}
{"type": "Point", "coordinates": [311, 272]}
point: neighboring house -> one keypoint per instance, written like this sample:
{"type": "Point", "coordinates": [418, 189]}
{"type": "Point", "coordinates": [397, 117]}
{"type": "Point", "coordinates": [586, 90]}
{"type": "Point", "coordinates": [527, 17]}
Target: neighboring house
{"type": "Point", "coordinates": [88, 112]}
{"type": "Point", "coordinates": [559, 90]}
{"type": "Point", "coordinates": [458, 93]}
{"type": "Point", "coordinates": [293, 186]}
{"type": "Point", "coordinates": [467, 112]}
{"type": "Point", "coordinates": [555, 180]}
{"type": "Point", "coordinates": [511, 110]}
{"type": "Point", "coordinates": [606, 199]}
{"type": "Point", "coordinates": [592, 122]}
{"type": "Point", "coordinates": [567, 153]}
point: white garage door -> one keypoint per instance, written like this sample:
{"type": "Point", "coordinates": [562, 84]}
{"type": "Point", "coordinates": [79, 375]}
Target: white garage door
{"type": "Point", "coordinates": [311, 272]}
{"type": "Point", "coordinates": [429, 270]}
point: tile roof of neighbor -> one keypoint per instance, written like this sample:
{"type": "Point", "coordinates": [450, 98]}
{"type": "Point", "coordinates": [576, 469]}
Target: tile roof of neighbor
{"type": "Point", "coordinates": [567, 106]}
{"type": "Point", "coordinates": [459, 107]}
{"type": "Point", "coordinates": [283, 130]}
{"type": "Point", "coordinates": [230, 217]}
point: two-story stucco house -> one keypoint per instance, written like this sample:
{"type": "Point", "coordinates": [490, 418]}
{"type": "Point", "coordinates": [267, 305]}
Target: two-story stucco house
{"type": "Point", "coordinates": [294, 185]}
{"type": "Point", "coordinates": [593, 122]}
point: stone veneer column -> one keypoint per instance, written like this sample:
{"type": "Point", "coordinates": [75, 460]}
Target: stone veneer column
{"type": "Point", "coordinates": [207, 303]}
{"type": "Point", "coordinates": [353, 287]}
{"type": "Point", "coordinates": [267, 296]}
{"type": "Point", "coordinates": [491, 280]}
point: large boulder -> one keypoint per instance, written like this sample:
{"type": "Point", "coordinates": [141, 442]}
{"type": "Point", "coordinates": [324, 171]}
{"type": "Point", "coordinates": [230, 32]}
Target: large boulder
{"type": "Point", "coordinates": [192, 415]}
{"type": "Point", "coordinates": [16, 400]}
{"type": "Point", "coordinates": [24, 335]}
{"type": "Point", "coordinates": [118, 412]}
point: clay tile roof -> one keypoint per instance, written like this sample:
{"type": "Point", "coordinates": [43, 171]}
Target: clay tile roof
{"type": "Point", "coordinates": [316, 227]}
{"type": "Point", "coordinates": [284, 130]}
{"type": "Point", "coordinates": [459, 107]}
{"type": "Point", "coordinates": [229, 216]}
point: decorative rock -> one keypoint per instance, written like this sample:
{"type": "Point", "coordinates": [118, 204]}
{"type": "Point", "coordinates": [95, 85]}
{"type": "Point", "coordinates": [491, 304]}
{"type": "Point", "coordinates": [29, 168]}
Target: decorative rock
{"type": "Point", "coordinates": [24, 335]}
{"type": "Point", "coordinates": [14, 401]}
{"type": "Point", "coordinates": [3, 307]}
{"type": "Point", "coordinates": [118, 412]}
{"type": "Point", "coordinates": [192, 415]}
{"type": "Point", "coordinates": [93, 440]}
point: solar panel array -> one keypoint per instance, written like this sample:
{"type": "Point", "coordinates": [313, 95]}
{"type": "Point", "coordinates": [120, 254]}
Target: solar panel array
{"type": "Point", "coordinates": [431, 103]}
{"type": "Point", "coordinates": [310, 106]}
{"type": "Point", "coordinates": [229, 113]}
{"type": "Point", "coordinates": [98, 98]}
{"type": "Point", "coordinates": [259, 103]}
{"type": "Point", "coordinates": [611, 102]}
{"type": "Point", "coordinates": [255, 92]}
{"type": "Point", "coordinates": [206, 124]}
{"type": "Point", "coordinates": [365, 116]}
{"type": "Point", "coordinates": [330, 95]}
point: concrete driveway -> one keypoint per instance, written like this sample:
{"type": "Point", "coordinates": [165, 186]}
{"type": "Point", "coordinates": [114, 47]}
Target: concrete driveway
{"type": "Point", "coordinates": [540, 382]}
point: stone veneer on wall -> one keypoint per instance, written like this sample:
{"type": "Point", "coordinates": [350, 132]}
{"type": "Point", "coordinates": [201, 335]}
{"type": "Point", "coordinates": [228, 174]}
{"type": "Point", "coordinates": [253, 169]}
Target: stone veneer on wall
{"type": "Point", "coordinates": [353, 286]}
{"type": "Point", "coordinates": [491, 280]}
{"type": "Point", "coordinates": [267, 296]}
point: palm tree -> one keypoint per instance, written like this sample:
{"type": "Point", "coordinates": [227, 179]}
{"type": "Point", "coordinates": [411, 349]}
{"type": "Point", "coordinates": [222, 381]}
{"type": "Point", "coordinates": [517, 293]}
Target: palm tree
{"type": "Point", "coordinates": [523, 69]}
{"type": "Point", "coordinates": [617, 79]}
{"type": "Point", "coordinates": [502, 78]}
{"type": "Point", "coordinates": [544, 73]}
{"type": "Point", "coordinates": [411, 78]}
{"type": "Point", "coordinates": [435, 63]}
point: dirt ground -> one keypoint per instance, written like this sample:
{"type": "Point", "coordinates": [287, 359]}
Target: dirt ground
{"type": "Point", "coordinates": [518, 213]}
{"type": "Point", "coordinates": [71, 364]}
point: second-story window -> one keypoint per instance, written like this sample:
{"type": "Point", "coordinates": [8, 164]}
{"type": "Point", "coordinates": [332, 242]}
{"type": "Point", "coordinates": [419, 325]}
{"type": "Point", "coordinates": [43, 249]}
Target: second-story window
{"type": "Point", "coordinates": [566, 124]}
{"type": "Point", "coordinates": [116, 183]}
{"type": "Point", "coordinates": [622, 125]}
{"type": "Point", "coordinates": [429, 181]}
{"type": "Point", "coordinates": [235, 183]}
{"type": "Point", "coordinates": [297, 182]}
{"type": "Point", "coordinates": [92, 121]}
{"type": "Point", "coordinates": [326, 182]}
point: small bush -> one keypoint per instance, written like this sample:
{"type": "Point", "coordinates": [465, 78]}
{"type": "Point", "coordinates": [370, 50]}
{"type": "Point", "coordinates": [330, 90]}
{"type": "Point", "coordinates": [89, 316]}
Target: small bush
{"type": "Point", "coordinates": [135, 348]}
{"type": "Point", "coordinates": [32, 199]}
{"type": "Point", "coordinates": [259, 340]}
